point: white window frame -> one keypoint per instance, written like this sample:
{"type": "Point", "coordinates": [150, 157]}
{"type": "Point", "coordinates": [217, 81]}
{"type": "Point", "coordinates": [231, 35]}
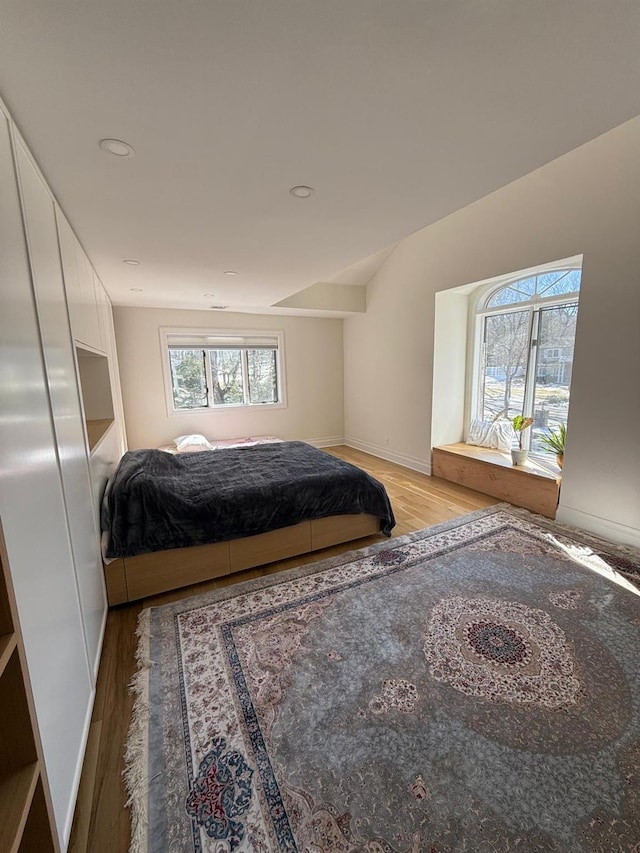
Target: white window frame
{"type": "Point", "coordinates": [479, 311]}
{"type": "Point", "coordinates": [167, 332]}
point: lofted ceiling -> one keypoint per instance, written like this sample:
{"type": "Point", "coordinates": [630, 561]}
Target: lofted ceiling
{"type": "Point", "coordinates": [397, 113]}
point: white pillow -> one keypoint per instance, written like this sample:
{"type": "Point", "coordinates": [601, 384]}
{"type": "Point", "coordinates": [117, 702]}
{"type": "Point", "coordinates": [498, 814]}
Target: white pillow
{"type": "Point", "coordinates": [498, 434]}
{"type": "Point", "coordinates": [192, 444]}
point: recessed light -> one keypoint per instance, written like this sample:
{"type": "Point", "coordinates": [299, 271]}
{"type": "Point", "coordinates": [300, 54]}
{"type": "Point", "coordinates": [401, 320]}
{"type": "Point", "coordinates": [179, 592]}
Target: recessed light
{"type": "Point", "coordinates": [136, 290]}
{"type": "Point", "coordinates": [131, 261]}
{"type": "Point", "coordinates": [230, 272]}
{"type": "Point", "coordinates": [210, 295]}
{"type": "Point", "coordinates": [116, 147]}
{"type": "Point", "coordinates": [302, 192]}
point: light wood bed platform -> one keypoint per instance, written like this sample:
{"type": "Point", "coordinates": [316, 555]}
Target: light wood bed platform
{"type": "Point", "coordinates": [131, 578]}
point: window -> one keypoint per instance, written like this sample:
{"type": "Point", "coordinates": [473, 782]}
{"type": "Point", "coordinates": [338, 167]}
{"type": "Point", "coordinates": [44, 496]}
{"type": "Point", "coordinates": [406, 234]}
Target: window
{"type": "Point", "coordinates": [525, 332]}
{"type": "Point", "coordinates": [219, 370]}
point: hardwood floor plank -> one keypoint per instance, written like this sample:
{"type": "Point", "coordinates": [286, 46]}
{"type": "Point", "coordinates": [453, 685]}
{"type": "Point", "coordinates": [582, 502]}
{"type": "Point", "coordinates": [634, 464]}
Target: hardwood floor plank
{"type": "Point", "coordinates": [79, 840]}
{"type": "Point", "coordinates": [418, 501]}
{"type": "Point", "coordinates": [109, 827]}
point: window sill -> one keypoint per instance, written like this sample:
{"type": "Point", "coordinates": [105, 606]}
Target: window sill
{"type": "Point", "coordinates": [210, 410]}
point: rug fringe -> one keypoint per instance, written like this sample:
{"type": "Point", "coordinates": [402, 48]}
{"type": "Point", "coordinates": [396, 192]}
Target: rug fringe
{"type": "Point", "coordinates": [136, 754]}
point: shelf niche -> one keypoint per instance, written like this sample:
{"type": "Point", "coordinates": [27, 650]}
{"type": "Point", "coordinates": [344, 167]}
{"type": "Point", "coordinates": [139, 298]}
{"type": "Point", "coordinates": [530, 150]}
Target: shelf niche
{"type": "Point", "coordinates": [97, 399]}
{"type": "Point", "coordinates": [25, 817]}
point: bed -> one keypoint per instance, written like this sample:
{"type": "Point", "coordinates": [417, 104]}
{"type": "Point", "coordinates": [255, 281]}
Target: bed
{"type": "Point", "coordinates": [173, 520]}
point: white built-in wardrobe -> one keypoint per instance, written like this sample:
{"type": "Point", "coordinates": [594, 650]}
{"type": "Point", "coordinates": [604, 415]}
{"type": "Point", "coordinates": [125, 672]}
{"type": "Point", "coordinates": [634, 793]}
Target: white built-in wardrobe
{"type": "Point", "coordinates": [55, 329]}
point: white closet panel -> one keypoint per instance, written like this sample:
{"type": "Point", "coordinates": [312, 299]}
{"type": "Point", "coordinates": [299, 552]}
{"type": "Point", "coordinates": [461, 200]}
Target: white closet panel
{"type": "Point", "coordinates": [102, 463]}
{"type": "Point", "coordinates": [42, 240]}
{"type": "Point", "coordinates": [33, 514]}
{"type": "Point", "coordinates": [114, 371]}
{"type": "Point", "coordinates": [109, 451]}
{"type": "Point", "coordinates": [104, 312]}
{"type": "Point", "coordinates": [89, 324]}
{"type": "Point", "coordinates": [79, 286]}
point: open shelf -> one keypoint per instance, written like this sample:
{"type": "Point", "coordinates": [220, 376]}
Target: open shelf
{"type": "Point", "coordinates": [7, 645]}
{"type": "Point", "coordinates": [25, 816]}
{"type": "Point", "coordinates": [97, 401]}
{"type": "Point", "coordinates": [36, 837]}
{"type": "Point", "coordinates": [96, 429]}
{"type": "Point", "coordinates": [16, 795]}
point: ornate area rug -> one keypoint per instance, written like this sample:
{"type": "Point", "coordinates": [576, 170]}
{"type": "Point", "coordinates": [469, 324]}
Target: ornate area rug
{"type": "Point", "coordinates": [470, 687]}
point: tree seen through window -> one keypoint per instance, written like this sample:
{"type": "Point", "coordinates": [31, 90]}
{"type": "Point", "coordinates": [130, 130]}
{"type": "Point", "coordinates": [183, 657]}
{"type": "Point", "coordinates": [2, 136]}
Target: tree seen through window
{"type": "Point", "coordinates": [223, 376]}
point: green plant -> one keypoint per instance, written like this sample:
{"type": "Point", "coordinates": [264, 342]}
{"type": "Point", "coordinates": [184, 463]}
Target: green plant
{"type": "Point", "coordinates": [555, 440]}
{"type": "Point", "coordinates": [520, 423]}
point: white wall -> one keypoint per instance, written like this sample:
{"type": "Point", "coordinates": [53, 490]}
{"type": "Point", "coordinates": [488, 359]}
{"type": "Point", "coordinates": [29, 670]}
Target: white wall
{"type": "Point", "coordinates": [451, 336]}
{"type": "Point", "coordinates": [314, 379]}
{"type": "Point", "coordinates": [587, 202]}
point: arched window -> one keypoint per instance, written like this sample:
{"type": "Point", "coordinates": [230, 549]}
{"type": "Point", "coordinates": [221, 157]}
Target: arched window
{"type": "Point", "coordinates": [525, 336]}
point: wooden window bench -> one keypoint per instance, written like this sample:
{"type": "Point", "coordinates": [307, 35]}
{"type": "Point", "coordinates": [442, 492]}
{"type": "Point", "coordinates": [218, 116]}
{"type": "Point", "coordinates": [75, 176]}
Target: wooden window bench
{"type": "Point", "coordinates": [534, 485]}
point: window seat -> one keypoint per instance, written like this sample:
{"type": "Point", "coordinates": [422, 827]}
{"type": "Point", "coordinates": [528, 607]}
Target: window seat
{"type": "Point", "coordinates": [534, 485]}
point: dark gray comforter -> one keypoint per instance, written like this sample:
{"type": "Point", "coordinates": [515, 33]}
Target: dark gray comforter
{"type": "Point", "coordinates": [156, 500]}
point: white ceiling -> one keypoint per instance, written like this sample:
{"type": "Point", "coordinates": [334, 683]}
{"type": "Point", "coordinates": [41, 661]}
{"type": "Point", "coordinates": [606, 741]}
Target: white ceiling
{"type": "Point", "coordinates": [397, 112]}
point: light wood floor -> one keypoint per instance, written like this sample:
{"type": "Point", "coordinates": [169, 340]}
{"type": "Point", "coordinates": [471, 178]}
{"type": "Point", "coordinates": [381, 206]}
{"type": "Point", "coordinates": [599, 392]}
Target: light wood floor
{"type": "Point", "coordinates": [101, 823]}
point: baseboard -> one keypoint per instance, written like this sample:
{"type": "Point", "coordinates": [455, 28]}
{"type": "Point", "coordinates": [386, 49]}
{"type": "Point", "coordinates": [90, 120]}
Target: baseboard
{"type": "Point", "coordinates": [329, 441]}
{"type": "Point", "coordinates": [421, 465]}
{"type": "Point", "coordinates": [612, 531]}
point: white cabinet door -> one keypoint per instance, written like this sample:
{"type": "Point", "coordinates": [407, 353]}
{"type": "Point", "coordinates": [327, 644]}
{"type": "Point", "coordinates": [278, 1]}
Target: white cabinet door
{"type": "Point", "coordinates": [104, 313]}
{"type": "Point", "coordinates": [116, 389]}
{"type": "Point", "coordinates": [34, 519]}
{"type": "Point", "coordinates": [90, 325]}
{"type": "Point", "coordinates": [57, 344]}
{"type": "Point", "coordinates": [79, 286]}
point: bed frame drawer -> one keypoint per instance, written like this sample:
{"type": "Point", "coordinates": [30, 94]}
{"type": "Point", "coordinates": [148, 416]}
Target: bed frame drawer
{"type": "Point", "coordinates": [268, 547]}
{"type": "Point", "coordinates": [149, 574]}
{"type": "Point", "coordinates": [341, 528]}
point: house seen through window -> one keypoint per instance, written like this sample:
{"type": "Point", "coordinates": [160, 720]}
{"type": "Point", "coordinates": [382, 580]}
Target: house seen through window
{"type": "Point", "coordinates": [209, 371]}
{"type": "Point", "coordinates": [526, 332]}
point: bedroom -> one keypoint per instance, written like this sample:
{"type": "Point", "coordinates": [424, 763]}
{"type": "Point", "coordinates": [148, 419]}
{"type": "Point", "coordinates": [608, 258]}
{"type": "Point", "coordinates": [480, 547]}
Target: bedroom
{"type": "Point", "coordinates": [571, 187]}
